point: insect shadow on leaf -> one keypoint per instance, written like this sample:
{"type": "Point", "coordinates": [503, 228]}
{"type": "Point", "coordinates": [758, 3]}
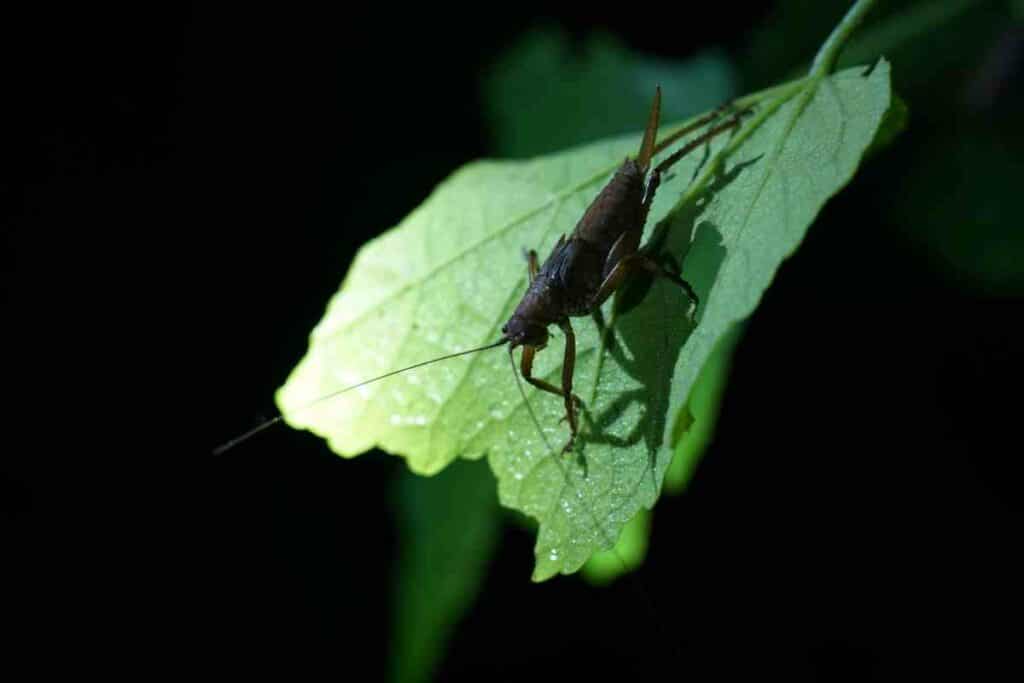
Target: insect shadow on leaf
{"type": "Point", "coordinates": [627, 341]}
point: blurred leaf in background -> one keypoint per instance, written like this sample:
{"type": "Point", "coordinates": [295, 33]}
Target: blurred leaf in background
{"type": "Point", "coordinates": [947, 187]}
{"type": "Point", "coordinates": [547, 94]}
{"type": "Point", "coordinates": [970, 230]}
{"type": "Point", "coordinates": [448, 526]}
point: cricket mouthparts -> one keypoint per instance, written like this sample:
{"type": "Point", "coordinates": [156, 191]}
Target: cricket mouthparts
{"type": "Point", "coordinates": [520, 331]}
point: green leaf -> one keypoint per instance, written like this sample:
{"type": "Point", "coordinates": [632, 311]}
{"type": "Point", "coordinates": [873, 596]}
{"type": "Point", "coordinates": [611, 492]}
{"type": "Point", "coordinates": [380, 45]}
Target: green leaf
{"type": "Point", "coordinates": [448, 526]}
{"type": "Point", "coordinates": [540, 96]}
{"type": "Point", "coordinates": [451, 273]}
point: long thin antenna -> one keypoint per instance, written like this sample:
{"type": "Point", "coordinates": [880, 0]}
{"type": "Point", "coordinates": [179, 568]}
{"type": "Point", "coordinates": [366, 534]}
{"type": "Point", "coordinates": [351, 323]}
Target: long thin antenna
{"type": "Point", "coordinates": [274, 420]}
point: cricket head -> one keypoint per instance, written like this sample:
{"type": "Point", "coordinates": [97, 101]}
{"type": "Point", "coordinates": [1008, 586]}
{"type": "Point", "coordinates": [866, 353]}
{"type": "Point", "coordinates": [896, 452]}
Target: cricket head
{"type": "Point", "coordinates": [520, 331]}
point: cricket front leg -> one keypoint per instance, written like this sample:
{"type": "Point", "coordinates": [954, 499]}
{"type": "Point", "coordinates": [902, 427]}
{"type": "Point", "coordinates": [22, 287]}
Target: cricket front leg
{"type": "Point", "coordinates": [568, 367]}
{"type": "Point", "coordinates": [571, 401]}
{"type": "Point", "coordinates": [526, 367]}
{"type": "Point", "coordinates": [531, 263]}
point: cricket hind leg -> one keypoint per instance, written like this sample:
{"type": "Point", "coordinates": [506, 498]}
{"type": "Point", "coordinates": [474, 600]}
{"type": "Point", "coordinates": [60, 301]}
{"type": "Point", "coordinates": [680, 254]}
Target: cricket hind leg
{"type": "Point", "coordinates": [714, 116]}
{"type": "Point", "coordinates": [655, 179]}
{"type": "Point", "coordinates": [674, 158]}
{"type": "Point", "coordinates": [640, 260]}
{"type": "Point", "coordinates": [708, 118]}
{"type": "Point", "coordinates": [655, 268]}
{"type": "Point", "coordinates": [654, 182]}
{"type": "Point", "coordinates": [651, 146]}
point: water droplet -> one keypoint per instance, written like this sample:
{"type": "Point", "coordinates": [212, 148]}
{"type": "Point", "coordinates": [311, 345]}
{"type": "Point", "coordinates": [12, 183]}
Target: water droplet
{"type": "Point", "coordinates": [554, 555]}
{"type": "Point", "coordinates": [398, 420]}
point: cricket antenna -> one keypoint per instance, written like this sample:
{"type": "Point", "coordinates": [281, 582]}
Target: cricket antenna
{"type": "Point", "coordinates": [274, 420]}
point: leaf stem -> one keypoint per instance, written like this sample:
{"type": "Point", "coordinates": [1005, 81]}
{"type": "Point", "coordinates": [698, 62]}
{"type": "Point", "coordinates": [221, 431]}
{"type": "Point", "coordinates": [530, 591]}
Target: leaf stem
{"type": "Point", "coordinates": [833, 45]}
{"type": "Point", "coordinates": [782, 90]}
{"type": "Point", "coordinates": [902, 28]}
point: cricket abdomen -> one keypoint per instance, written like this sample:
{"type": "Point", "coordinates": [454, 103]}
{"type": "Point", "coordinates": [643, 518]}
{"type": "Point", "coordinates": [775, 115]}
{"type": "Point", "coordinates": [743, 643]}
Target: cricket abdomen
{"type": "Point", "coordinates": [617, 209]}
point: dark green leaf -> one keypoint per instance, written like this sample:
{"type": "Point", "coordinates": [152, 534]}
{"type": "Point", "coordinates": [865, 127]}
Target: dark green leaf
{"type": "Point", "coordinates": [448, 526]}
{"type": "Point", "coordinates": [547, 93]}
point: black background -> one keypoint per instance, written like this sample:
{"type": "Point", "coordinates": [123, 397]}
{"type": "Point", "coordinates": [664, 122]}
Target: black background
{"type": "Point", "coordinates": [183, 189]}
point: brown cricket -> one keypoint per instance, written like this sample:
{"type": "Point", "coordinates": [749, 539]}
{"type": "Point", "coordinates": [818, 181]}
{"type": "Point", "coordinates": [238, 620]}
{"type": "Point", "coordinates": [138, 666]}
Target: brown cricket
{"type": "Point", "coordinates": [584, 269]}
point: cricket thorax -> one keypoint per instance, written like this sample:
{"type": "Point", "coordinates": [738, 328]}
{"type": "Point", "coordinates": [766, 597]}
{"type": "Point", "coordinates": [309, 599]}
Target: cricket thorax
{"type": "Point", "coordinates": [566, 283]}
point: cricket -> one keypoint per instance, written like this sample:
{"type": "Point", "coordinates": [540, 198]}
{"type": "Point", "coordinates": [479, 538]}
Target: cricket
{"type": "Point", "coordinates": [583, 269]}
